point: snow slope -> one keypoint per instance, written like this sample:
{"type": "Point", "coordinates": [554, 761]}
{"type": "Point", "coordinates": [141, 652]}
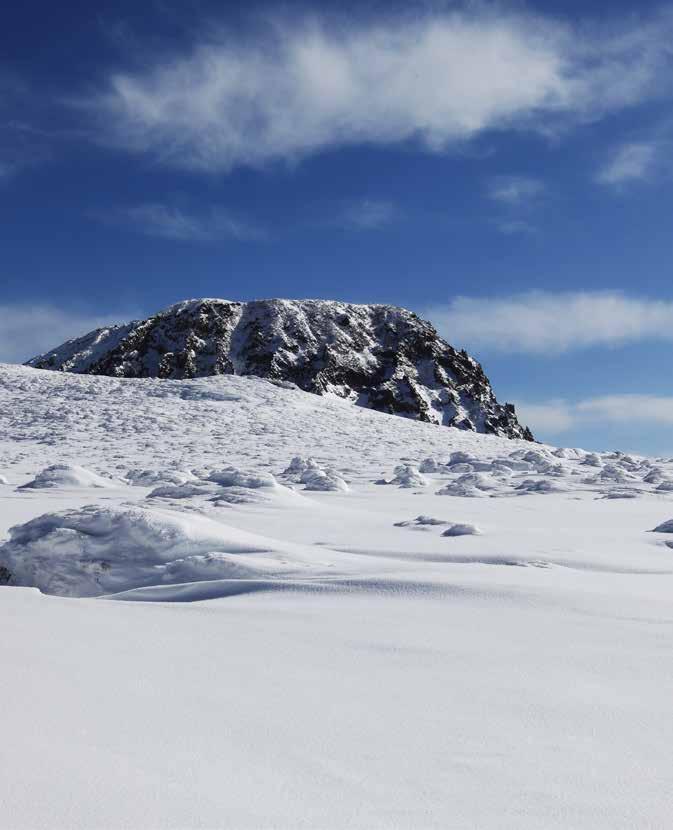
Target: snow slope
{"type": "Point", "coordinates": [332, 618]}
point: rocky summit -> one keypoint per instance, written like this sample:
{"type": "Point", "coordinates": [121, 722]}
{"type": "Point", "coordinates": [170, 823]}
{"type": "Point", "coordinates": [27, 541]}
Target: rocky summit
{"type": "Point", "coordinates": [379, 356]}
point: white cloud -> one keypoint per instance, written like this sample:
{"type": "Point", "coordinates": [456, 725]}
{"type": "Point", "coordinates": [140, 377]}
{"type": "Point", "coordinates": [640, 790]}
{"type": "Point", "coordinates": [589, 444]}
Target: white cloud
{"type": "Point", "coordinates": [29, 330]}
{"type": "Point", "coordinates": [542, 322]}
{"type": "Point", "coordinates": [632, 161]}
{"type": "Point", "coordinates": [167, 222]}
{"type": "Point", "coordinates": [546, 417]}
{"type": "Point", "coordinates": [369, 214]}
{"type": "Point", "coordinates": [514, 190]}
{"type": "Point", "coordinates": [301, 86]}
{"type": "Point", "coordinates": [556, 416]}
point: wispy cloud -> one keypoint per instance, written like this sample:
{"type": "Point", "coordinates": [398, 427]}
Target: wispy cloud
{"type": "Point", "coordinates": [169, 222]}
{"type": "Point", "coordinates": [556, 416]}
{"type": "Point", "coordinates": [27, 330]}
{"type": "Point", "coordinates": [305, 85]}
{"type": "Point", "coordinates": [629, 162]}
{"type": "Point", "coordinates": [511, 227]}
{"type": "Point", "coordinates": [545, 322]}
{"type": "Point", "coordinates": [367, 215]}
{"type": "Point", "coordinates": [514, 190]}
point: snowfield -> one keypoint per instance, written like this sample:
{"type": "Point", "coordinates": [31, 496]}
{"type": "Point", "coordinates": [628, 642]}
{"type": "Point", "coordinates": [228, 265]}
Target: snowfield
{"type": "Point", "coordinates": [231, 603]}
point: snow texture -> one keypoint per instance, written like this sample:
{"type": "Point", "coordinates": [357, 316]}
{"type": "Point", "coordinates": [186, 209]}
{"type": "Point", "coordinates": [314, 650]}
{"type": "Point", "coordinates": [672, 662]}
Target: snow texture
{"type": "Point", "coordinates": [216, 638]}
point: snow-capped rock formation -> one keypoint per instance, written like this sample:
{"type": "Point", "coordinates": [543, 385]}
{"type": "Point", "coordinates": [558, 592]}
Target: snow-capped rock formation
{"type": "Point", "coordinates": [378, 356]}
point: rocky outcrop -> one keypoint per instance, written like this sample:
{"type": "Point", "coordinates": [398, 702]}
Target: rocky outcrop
{"type": "Point", "coordinates": [378, 356]}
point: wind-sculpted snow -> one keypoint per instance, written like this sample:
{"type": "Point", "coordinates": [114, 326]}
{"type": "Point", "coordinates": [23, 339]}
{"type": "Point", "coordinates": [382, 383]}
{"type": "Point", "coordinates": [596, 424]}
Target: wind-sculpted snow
{"type": "Point", "coordinates": [245, 629]}
{"type": "Point", "coordinates": [381, 357]}
{"type": "Point", "coordinates": [254, 457]}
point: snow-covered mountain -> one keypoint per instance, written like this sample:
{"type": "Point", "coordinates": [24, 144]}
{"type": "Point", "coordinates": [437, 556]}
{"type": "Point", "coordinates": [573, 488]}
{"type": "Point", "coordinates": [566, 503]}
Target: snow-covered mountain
{"type": "Point", "coordinates": [378, 356]}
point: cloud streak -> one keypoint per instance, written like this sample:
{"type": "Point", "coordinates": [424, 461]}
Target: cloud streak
{"type": "Point", "coordinates": [632, 161]}
{"type": "Point", "coordinates": [545, 322]}
{"type": "Point", "coordinates": [367, 215]}
{"type": "Point", "coordinates": [168, 222]}
{"type": "Point", "coordinates": [557, 416]}
{"type": "Point", "coordinates": [302, 86]}
{"type": "Point", "coordinates": [514, 190]}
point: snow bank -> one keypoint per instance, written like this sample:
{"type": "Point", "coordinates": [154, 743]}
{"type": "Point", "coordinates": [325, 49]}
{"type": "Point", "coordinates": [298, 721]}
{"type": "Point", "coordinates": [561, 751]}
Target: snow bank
{"type": "Point", "coordinates": [67, 475]}
{"type": "Point", "coordinates": [98, 550]}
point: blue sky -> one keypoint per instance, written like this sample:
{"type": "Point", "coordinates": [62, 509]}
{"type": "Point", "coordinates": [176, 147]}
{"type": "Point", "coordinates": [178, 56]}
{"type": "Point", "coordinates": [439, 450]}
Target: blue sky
{"type": "Point", "coordinates": [504, 169]}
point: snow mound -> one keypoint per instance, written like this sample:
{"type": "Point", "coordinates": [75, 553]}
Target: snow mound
{"type": "Point", "coordinates": [462, 530]}
{"type": "Point", "coordinates": [407, 476]}
{"type": "Point", "coordinates": [152, 478]}
{"type": "Point", "coordinates": [297, 467]}
{"type": "Point", "coordinates": [3, 480]}
{"type": "Point", "coordinates": [531, 485]}
{"type": "Point", "coordinates": [233, 477]}
{"type": "Point", "coordinates": [323, 480]}
{"type": "Point", "coordinates": [470, 485]}
{"type": "Point", "coordinates": [97, 550]}
{"type": "Point", "coordinates": [665, 487]}
{"type": "Point", "coordinates": [462, 490]}
{"type": "Point", "coordinates": [180, 491]}
{"type": "Point", "coordinates": [67, 475]}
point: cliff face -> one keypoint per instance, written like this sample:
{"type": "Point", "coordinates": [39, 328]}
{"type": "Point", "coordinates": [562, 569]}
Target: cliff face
{"type": "Point", "coordinates": [378, 356]}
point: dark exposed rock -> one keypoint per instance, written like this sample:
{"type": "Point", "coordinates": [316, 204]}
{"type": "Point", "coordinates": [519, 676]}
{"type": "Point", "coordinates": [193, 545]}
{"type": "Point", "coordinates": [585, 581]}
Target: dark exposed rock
{"type": "Point", "coordinates": [378, 356]}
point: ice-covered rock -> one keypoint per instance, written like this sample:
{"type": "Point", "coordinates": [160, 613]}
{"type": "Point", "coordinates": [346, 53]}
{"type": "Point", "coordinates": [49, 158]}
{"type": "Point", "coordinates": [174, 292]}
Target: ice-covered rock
{"type": "Point", "coordinates": [665, 487]}
{"type": "Point", "coordinates": [323, 480]}
{"type": "Point", "coordinates": [233, 477]}
{"type": "Point", "coordinates": [664, 527]}
{"type": "Point", "coordinates": [470, 485]}
{"type": "Point", "coordinates": [152, 478]}
{"type": "Point", "coordinates": [297, 467]}
{"type": "Point", "coordinates": [181, 491]}
{"type": "Point", "coordinates": [408, 476]}
{"type": "Point", "coordinates": [422, 521]}
{"type": "Point", "coordinates": [460, 467]}
{"type": "Point", "coordinates": [531, 485]}
{"type": "Point", "coordinates": [462, 530]}
{"type": "Point", "coordinates": [67, 476]}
